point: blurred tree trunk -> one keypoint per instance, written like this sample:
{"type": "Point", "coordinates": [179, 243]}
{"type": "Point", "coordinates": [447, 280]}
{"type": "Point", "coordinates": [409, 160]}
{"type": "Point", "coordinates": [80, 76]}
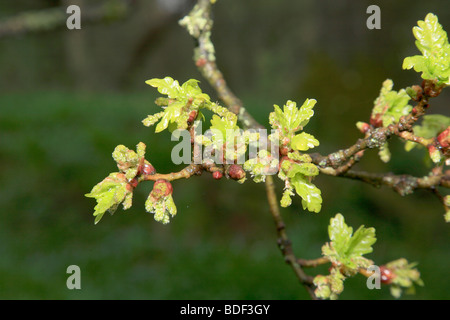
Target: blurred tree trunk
{"type": "Point", "coordinates": [79, 61]}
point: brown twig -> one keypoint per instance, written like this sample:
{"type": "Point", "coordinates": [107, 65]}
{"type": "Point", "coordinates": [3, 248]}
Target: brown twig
{"type": "Point", "coordinates": [403, 184]}
{"type": "Point", "coordinates": [189, 171]}
{"type": "Point", "coordinates": [377, 137]}
{"type": "Point", "coordinates": [205, 61]}
{"type": "Point", "coordinates": [284, 243]}
{"type": "Point", "coordinates": [313, 263]}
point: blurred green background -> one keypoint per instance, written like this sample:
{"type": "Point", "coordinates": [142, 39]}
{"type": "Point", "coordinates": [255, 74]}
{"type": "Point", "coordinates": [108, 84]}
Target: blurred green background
{"type": "Point", "coordinates": [67, 98]}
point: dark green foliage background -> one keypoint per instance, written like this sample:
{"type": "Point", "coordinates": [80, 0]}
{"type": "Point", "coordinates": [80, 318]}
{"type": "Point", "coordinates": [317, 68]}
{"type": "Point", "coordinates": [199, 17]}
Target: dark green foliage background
{"type": "Point", "coordinates": [59, 124]}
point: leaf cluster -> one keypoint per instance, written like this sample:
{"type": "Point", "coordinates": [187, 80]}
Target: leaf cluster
{"type": "Point", "coordinates": [432, 41]}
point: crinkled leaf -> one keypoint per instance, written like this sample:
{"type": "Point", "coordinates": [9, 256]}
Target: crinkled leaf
{"type": "Point", "coordinates": [323, 289]}
{"type": "Point", "coordinates": [390, 105]}
{"type": "Point", "coordinates": [182, 101]}
{"type": "Point", "coordinates": [347, 248]}
{"type": "Point", "coordinates": [299, 157]}
{"type": "Point", "coordinates": [166, 86]}
{"type": "Point", "coordinates": [222, 124]}
{"type": "Point", "coordinates": [361, 242]}
{"type": "Point", "coordinates": [292, 118]}
{"type": "Point", "coordinates": [307, 169]}
{"type": "Point", "coordinates": [128, 160]}
{"type": "Point", "coordinates": [258, 169]}
{"type": "Point", "coordinates": [304, 141]}
{"type": "Point", "coordinates": [171, 114]}
{"type": "Point", "coordinates": [329, 287]}
{"type": "Point", "coordinates": [405, 276]}
{"type": "Point", "coordinates": [109, 193]}
{"type": "Point", "coordinates": [310, 194]}
{"type": "Point", "coordinates": [432, 41]}
{"type": "Point", "coordinates": [163, 208]}
{"type": "Point", "coordinates": [339, 233]}
{"type": "Point", "coordinates": [191, 88]}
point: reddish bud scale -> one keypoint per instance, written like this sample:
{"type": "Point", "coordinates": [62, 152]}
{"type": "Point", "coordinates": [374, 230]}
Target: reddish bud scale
{"type": "Point", "coordinates": [217, 175]}
{"type": "Point", "coordinates": [430, 88]}
{"type": "Point", "coordinates": [284, 158]}
{"type": "Point", "coordinates": [386, 275]}
{"type": "Point", "coordinates": [162, 188]}
{"type": "Point", "coordinates": [236, 172]}
{"type": "Point", "coordinates": [132, 184]}
{"type": "Point", "coordinates": [192, 116]}
{"type": "Point", "coordinates": [284, 151]}
{"type": "Point", "coordinates": [148, 169]}
{"type": "Point", "coordinates": [364, 127]}
{"type": "Point", "coordinates": [444, 138]}
{"type": "Point", "coordinates": [121, 176]}
{"type": "Point", "coordinates": [376, 121]}
{"type": "Point", "coordinates": [419, 91]}
{"type": "Point", "coordinates": [201, 62]}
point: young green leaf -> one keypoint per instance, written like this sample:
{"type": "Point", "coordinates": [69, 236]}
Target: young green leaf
{"type": "Point", "coordinates": [223, 125]}
{"type": "Point", "coordinates": [405, 275]}
{"type": "Point", "coordinates": [303, 142]}
{"type": "Point", "coordinates": [390, 105]}
{"type": "Point", "coordinates": [432, 41]}
{"type": "Point", "coordinates": [310, 194]}
{"type": "Point", "coordinates": [166, 86]}
{"type": "Point", "coordinates": [109, 193]}
{"type": "Point", "coordinates": [346, 249]}
{"type": "Point", "coordinates": [129, 160]}
{"type": "Point", "coordinates": [306, 169]}
{"type": "Point", "coordinates": [182, 101]}
{"type": "Point", "coordinates": [297, 171]}
{"type": "Point", "coordinates": [291, 118]}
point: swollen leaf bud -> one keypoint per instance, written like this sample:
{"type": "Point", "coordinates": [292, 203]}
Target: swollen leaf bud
{"type": "Point", "coordinates": [435, 154]}
{"type": "Point", "coordinates": [236, 172]}
{"type": "Point", "coordinates": [362, 126]}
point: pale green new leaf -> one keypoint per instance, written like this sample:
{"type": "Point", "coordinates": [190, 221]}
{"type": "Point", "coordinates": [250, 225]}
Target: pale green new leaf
{"type": "Point", "coordinates": [307, 169]}
{"type": "Point", "coordinates": [292, 118]}
{"type": "Point", "coordinates": [329, 287]}
{"type": "Point", "coordinates": [347, 248]}
{"type": "Point", "coordinates": [163, 208]}
{"type": "Point", "coordinates": [167, 86]}
{"type": "Point", "coordinates": [303, 142]}
{"type": "Point", "coordinates": [171, 114]}
{"type": "Point", "coordinates": [109, 193]}
{"type": "Point", "coordinates": [390, 105]}
{"type": "Point", "coordinates": [361, 242]}
{"type": "Point", "coordinates": [182, 101]}
{"type": "Point", "coordinates": [432, 41]}
{"type": "Point", "coordinates": [310, 194]}
{"type": "Point", "coordinates": [128, 160]}
{"type": "Point", "coordinates": [339, 233]}
{"type": "Point", "coordinates": [406, 276]}
{"type": "Point", "coordinates": [222, 124]}
{"type": "Point", "coordinates": [191, 88]}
